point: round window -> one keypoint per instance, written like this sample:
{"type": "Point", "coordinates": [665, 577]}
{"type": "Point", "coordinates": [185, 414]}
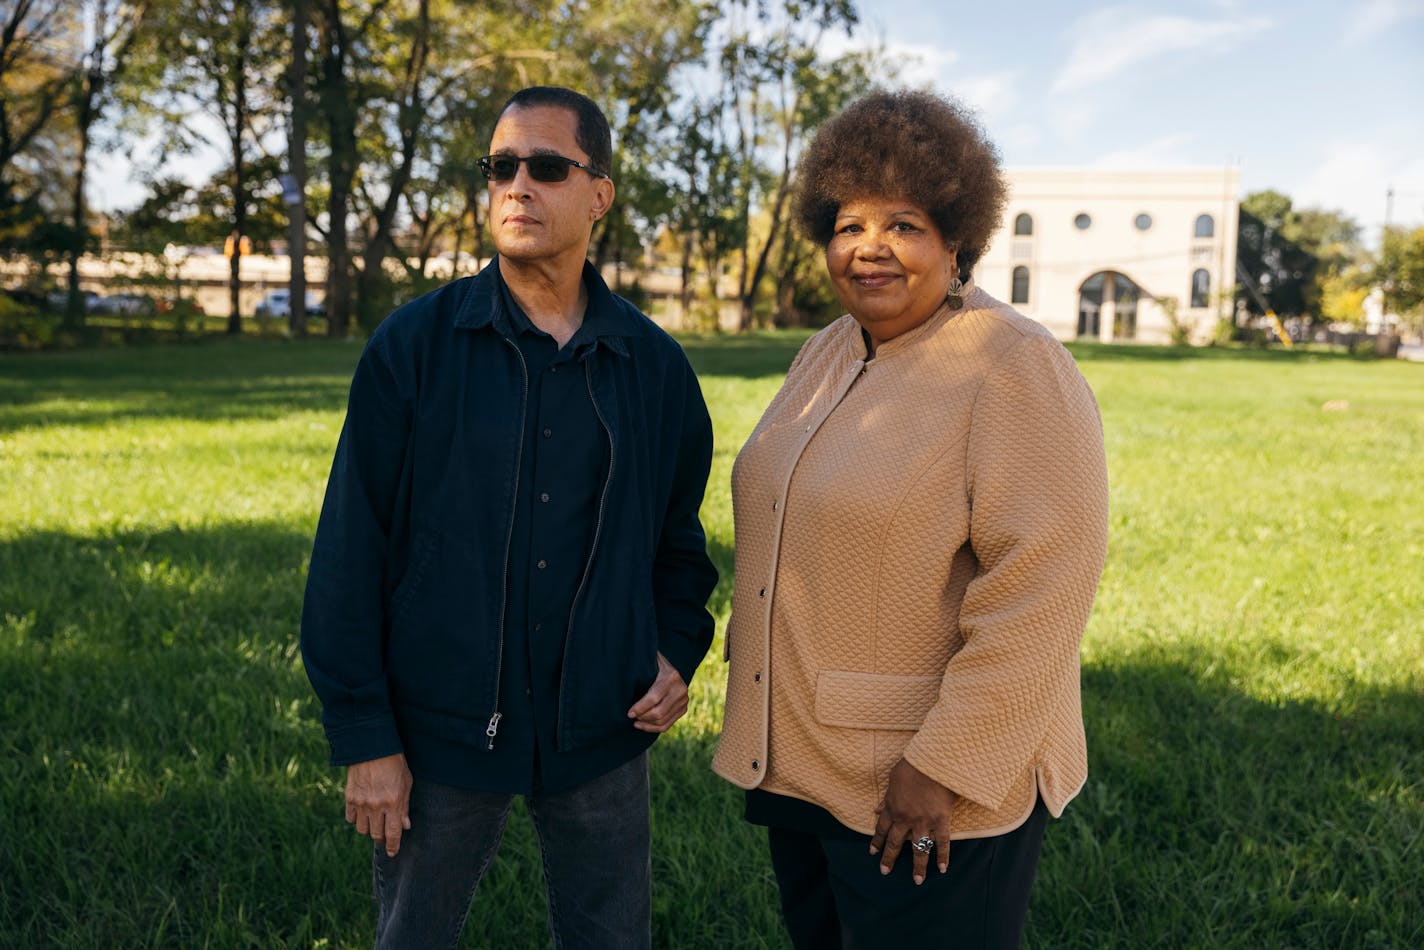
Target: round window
{"type": "Point", "coordinates": [1143, 221]}
{"type": "Point", "coordinates": [1082, 222]}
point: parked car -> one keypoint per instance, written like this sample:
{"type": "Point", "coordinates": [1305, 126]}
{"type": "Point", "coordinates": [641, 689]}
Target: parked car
{"type": "Point", "coordinates": [59, 299]}
{"type": "Point", "coordinates": [278, 303]}
{"type": "Point", "coordinates": [124, 305]}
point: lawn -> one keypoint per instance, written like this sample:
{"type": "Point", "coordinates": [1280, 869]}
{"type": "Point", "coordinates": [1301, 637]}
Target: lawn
{"type": "Point", "coordinates": [1253, 681]}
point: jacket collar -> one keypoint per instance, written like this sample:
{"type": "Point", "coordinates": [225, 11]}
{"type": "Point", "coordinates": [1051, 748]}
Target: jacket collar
{"type": "Point", "coordinates": [484, 308]}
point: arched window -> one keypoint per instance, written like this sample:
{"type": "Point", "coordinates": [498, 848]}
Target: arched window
{"type": "Point", "coordinates": [1205, 227]}
{"type": "Point", "coordinates": [1020, 289]}
{"type": "Point", "coordinates": [1201, 285]}
{"type": "Point", "coordinates": [1023, 225]}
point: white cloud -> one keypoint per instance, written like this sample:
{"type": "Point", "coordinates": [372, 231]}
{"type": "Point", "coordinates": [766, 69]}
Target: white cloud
{"type": "Point", "coordinates": [994, 95]}
{"type": "Point", "coordinates": [1167, 151]}
{"type": "Point", "coordinates": [1379, 16]}
{"type": "Point", "coordinates": [1354, 176]}
{"type": "Point", "coordinates": [1110, 41]}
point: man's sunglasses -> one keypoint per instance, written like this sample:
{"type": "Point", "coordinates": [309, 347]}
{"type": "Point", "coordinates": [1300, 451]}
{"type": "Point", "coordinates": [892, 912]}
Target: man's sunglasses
{"type": "Point", "coordinates": [541, 167]}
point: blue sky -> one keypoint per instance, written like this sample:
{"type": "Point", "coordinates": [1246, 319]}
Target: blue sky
{"type": "Point", "coordinates": [1323, 101]}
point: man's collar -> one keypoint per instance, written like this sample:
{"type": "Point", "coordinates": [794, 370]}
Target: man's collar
{"type": "Point", "coordinates": [604, 320]}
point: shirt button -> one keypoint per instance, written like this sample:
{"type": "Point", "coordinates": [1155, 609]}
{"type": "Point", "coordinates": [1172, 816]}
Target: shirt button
{"type": "Point", "coordinates": [548, 432]}
{"type": "Point", "coordinates": [542, 564]}
{"type": "Point", "coordinates": [538, 627]}
{"type": "Point", "coordinates": [553, 369]}
{"type": "Point", "coordinates": [544, 496]}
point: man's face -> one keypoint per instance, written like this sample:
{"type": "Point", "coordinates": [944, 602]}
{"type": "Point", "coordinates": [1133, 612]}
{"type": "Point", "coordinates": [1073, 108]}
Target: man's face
{"type": "Point", "coordinates": [536, 220]}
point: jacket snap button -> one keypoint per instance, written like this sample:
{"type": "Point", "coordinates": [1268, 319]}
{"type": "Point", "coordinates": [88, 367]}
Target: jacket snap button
{"type": "Point", "coordinates": [756, 677]}
{"type": "Point", "coordinates": [755, 765]}
{"type": "Point", "coordinates": [762, 592]}
{"type": "Point", "coordinates": [775, 505]}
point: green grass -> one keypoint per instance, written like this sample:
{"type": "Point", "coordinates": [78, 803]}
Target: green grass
{"type": "Point", "coordinates": [1253, 673]}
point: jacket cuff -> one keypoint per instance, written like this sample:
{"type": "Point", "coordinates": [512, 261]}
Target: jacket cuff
{"type": "Point", "coordinates": [682, 653]}
{"type": "Point", "coordinates": [363, 741]}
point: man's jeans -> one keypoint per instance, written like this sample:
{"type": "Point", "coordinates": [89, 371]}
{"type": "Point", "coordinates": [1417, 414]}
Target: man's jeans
{"type": "Point", "coordinates": [595, 842]}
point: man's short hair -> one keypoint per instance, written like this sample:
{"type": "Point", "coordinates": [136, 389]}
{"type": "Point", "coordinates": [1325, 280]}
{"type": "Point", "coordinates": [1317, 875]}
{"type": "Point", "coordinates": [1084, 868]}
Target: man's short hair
{"type": "Point", "coordinates": [592, 133]}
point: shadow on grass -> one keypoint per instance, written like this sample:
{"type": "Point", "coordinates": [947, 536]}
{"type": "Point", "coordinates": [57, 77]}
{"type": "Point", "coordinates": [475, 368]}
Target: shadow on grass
{"type": "Point", "coordinates": [748, 356]}
{"type": "Point", "coordinates": [230, 380]}
{"type": "Point", "coordinates": [241, 380]}
{"type": "Point", "coordinates": [1129, 352]}
{"type": "Point", "coordinates": [163, 778]}
{"type": "Point", "coordinates": [1212, 818]}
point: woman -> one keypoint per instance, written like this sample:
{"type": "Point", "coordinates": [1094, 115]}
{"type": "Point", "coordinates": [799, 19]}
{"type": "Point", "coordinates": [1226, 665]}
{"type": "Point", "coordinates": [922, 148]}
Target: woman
{"type": "Point", "coordinates": [921, 521]}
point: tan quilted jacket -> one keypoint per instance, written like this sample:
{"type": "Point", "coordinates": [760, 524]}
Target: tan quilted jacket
{"type": "Point", "coordinates": [918, 542]}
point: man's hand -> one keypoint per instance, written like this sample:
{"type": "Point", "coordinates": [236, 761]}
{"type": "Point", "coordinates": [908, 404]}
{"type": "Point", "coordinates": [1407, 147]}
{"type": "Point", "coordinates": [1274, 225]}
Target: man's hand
{"type": "Point", "coordinates": [664, 702]}
{"type": "Point", "coordinates": [378, 800]}
{"type": "Point", "coordinates": [914, 805]}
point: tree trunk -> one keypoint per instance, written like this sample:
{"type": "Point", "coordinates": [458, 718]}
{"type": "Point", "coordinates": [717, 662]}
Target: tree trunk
{"type": "Point", "coordinates": [684, 294]}
{"type": "Point", "coordinates": [372, 279]}
{"type": "Point", "coordinates": [341, 124]}
{"type": "Point", "coordinates": [74, 305]}
{"type": "Point", "coordinates": [91, 84]}
{"type": "Point", "coordinates": [297, 168]}
{"type": "Point", "coordinates": [239, 185]}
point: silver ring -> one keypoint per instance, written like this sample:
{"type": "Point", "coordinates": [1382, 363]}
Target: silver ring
{"type": "Point", "coordinates": [924, 844]}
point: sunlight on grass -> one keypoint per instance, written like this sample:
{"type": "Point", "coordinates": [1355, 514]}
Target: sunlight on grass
{"type": "Point", "coordinates": [1252, 680]}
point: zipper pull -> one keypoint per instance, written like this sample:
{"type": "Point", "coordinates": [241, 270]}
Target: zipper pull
{"type": "Point", "coordinates": [492, 729]}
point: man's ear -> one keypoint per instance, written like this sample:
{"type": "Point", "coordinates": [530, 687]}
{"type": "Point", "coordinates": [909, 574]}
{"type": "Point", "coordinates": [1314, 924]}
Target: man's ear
{"type": "Point", "coordinates": [603, 192]}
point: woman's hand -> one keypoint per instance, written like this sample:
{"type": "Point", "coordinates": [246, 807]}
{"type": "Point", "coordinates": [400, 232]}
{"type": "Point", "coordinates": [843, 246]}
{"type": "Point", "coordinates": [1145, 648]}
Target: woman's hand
{"type": "Point", "coordinates": [914, 805]}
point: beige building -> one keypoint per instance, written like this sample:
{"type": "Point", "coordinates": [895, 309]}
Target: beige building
{"type": "Point", "coordinates": [1107, 255]}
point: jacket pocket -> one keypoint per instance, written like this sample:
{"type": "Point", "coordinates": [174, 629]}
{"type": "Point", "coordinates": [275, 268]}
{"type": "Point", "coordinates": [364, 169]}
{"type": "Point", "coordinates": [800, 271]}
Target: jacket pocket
{"type": "Point", "coordinates": [874, 700]}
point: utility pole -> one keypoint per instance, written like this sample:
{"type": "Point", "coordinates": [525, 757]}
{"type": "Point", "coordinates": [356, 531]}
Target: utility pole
{"type": "Point", "coordinates": [294, 185]}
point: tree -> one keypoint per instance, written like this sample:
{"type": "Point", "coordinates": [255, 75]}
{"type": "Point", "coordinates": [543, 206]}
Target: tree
{"type": "Point", "coordinates": [1281, 268]}
{"type": "Point", "coordinates": [37, 40]}
{"type": "Point", "coordinates": [1399, 272]}
{"type": "Point", "coordinates": [1295, 254]}
{"type": "Point", "coordinates": [113, 27]}
{"type": "Point", "coordinates": [776, 90]}
{"type": "Point", "coordinates": [295, 185]}
{"type": "Point", "coordinates": [222, 58]}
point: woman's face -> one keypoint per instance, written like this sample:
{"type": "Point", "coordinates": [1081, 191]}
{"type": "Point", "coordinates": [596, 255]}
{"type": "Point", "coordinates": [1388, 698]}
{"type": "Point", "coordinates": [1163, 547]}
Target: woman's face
{"type": "Point", "coordinates": [889, 265]}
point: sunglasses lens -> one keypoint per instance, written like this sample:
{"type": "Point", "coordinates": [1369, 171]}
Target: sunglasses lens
{"type": "Point", "coordinates": [499, 168]}
{"type": "Point", "coordinates": [547, 168]}
{"type": "Point", "coordinates": [541, 167]}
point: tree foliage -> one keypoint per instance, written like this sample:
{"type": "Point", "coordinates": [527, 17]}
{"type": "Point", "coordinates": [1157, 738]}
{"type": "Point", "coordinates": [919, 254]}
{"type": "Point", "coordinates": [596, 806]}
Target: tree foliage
{"type": "Point", "coordinates": [1305, 262]}
{"type": "Point", "coordinates": [390, 102]}
{"type": "Point", "coordinates": [38, 57]}
{"type": "Point", "coordinates": [1399, 272]}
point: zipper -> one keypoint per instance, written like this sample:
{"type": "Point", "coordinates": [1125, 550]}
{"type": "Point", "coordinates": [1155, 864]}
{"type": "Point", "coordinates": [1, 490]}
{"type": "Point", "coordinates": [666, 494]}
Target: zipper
{"type": "Point", "coordinates": [598, 523]}
{"type": "Point", "coordinates": [495, 715]}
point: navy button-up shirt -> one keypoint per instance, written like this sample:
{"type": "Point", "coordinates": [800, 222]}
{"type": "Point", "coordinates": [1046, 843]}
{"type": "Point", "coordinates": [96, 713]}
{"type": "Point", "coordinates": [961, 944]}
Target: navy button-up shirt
{"type": "Point", "coordinates": [562, 470]}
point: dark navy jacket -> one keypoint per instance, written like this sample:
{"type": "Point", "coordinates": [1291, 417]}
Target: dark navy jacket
{"type": "Point", "coordinates": [402, 626]}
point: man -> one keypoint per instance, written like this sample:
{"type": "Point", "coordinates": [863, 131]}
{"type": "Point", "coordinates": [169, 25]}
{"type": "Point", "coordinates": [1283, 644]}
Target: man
{"type": "Point", "coordinates": [507, 591]}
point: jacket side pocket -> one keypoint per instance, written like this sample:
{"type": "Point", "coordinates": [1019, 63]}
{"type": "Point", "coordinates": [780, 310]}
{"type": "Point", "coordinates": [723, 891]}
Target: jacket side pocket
{"type": "Point", "coordinates": [874, 700]}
